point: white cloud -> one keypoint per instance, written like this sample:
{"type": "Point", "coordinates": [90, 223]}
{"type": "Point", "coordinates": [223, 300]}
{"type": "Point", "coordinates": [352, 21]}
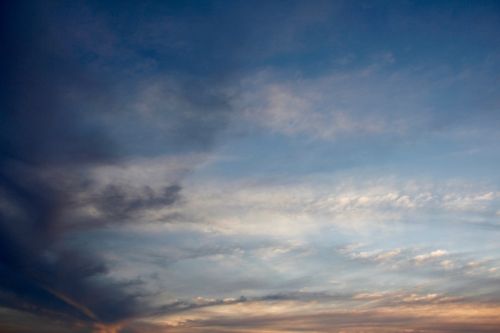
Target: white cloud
{"type": "Point", "coordinates": [154, 171]}
{"type": "Point", "coordinates": [421, 258]}
{"type": "Point", "coordinates": [358, 102]}
{"type": "Point", "coordinates": [305, 206]}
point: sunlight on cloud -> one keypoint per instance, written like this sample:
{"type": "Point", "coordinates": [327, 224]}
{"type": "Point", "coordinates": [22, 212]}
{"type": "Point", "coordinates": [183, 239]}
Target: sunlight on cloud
{"type": "Point", "coordinates": [406, 312]}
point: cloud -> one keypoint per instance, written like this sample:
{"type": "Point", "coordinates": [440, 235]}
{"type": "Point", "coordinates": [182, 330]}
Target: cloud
{"type": "Point", "coordinates": [121, 204]}
{"type": "Point", "coordinates": [107, 109]}
{"type": "Point", "coordinates": [44, 129]}
{"type": "Point", "coordinates": [421, 258]}
{"type": "Point", "coordinates": [239, 206]}
{"type": "Point", "coordinates": [399, 257]}
{"type": "Point", "coordinates": [344, 104]}
{"type": "Point", "coordinates": [165, 113]}
{"type": "Point", "coordinates": [324, 108]}
{"type": "Point", "coordinates": [458, 268]}
{"type": "Point", "coordinates": [69, 114]}
{"type": "Point", "coordinates": [424, 313]}
{"type": "Point", "coordinates": [374, 100]}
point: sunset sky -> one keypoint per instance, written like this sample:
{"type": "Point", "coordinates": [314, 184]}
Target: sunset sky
{"type": "Point", "coordinates": [250, 166]}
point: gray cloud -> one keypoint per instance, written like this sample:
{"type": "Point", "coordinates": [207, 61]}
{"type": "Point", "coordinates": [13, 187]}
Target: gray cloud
{"type": "Point", "coordinates": [59, 108]}
{"type": "Point", "coordinates": [117, 204]}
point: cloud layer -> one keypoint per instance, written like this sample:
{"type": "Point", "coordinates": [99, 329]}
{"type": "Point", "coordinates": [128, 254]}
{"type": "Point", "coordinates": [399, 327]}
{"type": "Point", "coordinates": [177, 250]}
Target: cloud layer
{"type": "Point", "coordinates": [249, 167]}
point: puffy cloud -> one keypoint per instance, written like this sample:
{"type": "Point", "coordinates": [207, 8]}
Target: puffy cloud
{"type": "Point", "coordinates": [421, 258]}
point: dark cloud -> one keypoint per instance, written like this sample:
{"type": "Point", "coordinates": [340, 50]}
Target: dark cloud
{"type": "Point", "coordinates": [118, 204]}
{"type": "Point", "coordinates": [63, 82]}
{"type": "Point", "coordinates": [40, 128]}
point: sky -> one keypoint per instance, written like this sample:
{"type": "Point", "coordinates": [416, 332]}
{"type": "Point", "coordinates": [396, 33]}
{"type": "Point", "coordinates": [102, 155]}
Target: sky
{"type": "Point", "coordinates": [250, 166]}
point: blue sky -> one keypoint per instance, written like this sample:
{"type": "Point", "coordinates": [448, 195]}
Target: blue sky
{"type": "Point", "coordinates": [237, 166]}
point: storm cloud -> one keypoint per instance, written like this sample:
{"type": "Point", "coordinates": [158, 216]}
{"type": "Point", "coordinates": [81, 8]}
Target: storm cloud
{"type": "Point", "coordinates": [56, 98]}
